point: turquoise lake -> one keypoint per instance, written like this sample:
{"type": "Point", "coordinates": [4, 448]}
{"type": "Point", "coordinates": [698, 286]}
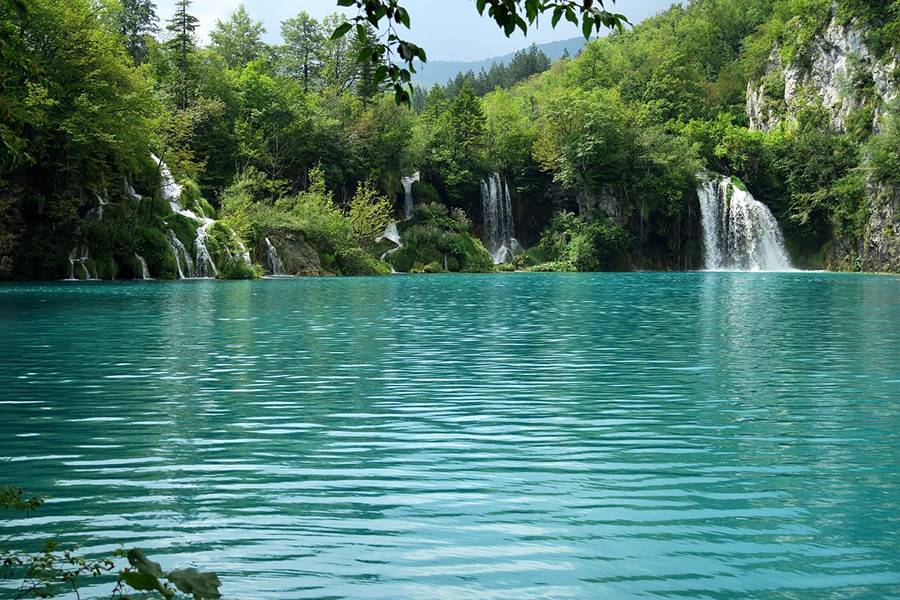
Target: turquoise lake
{"type": "Point", "coordinates": [515, 436]}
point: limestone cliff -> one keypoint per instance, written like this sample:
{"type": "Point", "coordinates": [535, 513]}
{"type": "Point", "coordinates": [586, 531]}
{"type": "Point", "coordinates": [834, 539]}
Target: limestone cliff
{"type": "Point", "coordinates": [854, 86]}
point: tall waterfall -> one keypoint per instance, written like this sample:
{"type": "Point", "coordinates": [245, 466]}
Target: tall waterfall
{"type": "Point", "coordinates": [276, 265]}
{"type": "Point", "coordinates": [499, 234]}
{"type": "Point", "coordinates": [739, 232]}
{"type": "Point", "coordinates": [408, 199]}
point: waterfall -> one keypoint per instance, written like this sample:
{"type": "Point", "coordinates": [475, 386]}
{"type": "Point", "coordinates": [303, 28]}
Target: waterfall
{"type": "Point", "coordinates": [129, 190]}
{"type": "Point", "coordinates": [739, 232]}
{"type": "Point", "coordinates": [390, 233]}
{"type": "Point", "coordinates": [499, 234]}
{"type": "Point", "coordinates": [408, 198]}
{"type": "Point", "coordinates": [96, 213]}
{"type": "Point", "coordinates": [181, 255]}
{"type": "Point", "coordinates": [393, 234]}
{"type": "Point", "coordinates": [276, 265]}
{"type": "Point", "coordinates": [145, 272]}
{"type": "Point", "coordinates": [204, 263]}
{"type": "Point", "coordinates": [171, 191]}
{"type": "Point", "coordinates": [79, 254]}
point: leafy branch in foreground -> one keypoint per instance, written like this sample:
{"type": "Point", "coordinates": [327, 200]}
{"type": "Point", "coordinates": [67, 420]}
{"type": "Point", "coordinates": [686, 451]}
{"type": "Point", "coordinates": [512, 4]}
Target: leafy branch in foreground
{"type": "Point", "coordinates": [53, 570]}
{"type": "Point", "coordinates": [508, 14]}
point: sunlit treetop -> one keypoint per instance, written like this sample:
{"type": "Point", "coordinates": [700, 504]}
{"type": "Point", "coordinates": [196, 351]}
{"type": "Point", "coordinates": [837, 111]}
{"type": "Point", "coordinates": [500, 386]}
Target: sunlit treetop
{"type": "Point", "coordinates": [394, 55]}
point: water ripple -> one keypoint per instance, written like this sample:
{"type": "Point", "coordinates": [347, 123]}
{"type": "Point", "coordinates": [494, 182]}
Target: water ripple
{"type": "Point", "coordinates": [692, 435]}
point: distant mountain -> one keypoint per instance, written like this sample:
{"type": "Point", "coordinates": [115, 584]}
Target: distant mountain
{"type": "Point", "coordinates": [439, 71]}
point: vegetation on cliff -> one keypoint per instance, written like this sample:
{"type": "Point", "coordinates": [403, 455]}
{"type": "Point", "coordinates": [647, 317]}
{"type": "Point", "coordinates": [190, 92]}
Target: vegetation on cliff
{"type": "Point", "coordinates": [284, 138]}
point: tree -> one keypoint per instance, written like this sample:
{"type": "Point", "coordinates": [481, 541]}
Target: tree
{"type": "Point", "coordinates": [238, 40]}
{"type": "Point", "coordinates": [368, 213]}
{"type": "Point", "coordinates": [137, 22]}
{"type": "Point", "coordinates": [508, 14]}
{"type": "Point", "coordinates": [302, 50]}
{"type": "Point", "coordinates": [183, 25]}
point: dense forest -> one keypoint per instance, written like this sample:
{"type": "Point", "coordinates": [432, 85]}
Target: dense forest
{"type": "Point", "coordinates": [128, 148]}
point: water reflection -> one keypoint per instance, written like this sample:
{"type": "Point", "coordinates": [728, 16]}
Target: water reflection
{"type": "Point", "coordinates": [521, 436]}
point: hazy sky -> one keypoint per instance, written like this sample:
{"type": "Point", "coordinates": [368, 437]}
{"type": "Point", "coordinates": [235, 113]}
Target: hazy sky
{"type": "Point", "coordinates": [447, 29]}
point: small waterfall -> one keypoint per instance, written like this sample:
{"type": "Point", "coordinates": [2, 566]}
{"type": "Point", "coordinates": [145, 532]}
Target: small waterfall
{"type": "Point", "coordinates": [130, 192]}
{"type": "Point", "coordinates": [276, 265]}
{"type": "Point", "coordinates": [393, 234]}
{"type": "Point", "coordinates": [408, 198]}
{"type": "Point", "coordinates": [181, 256]}
{"type": "Point", "coordinates": [79, 254]}
{"type": "Point", "coordinates": [96, 213]}
{"type": "Point", "coordinates": [204, 263]}
{"type": "Point", "coordinates": [171, 191]}
{"type": "Point", "coordinates": [145, 272]}
{"type": "Point", "coordinates": [499, 234]}
{"type": "Point", "coordinates": [739, 232]}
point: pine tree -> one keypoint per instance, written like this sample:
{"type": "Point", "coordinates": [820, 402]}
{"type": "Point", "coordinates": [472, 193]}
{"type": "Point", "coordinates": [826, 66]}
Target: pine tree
{"type": "Point", "coordinates": [137, 22]}
{"type": "Point", "coordinates": [183, 25]}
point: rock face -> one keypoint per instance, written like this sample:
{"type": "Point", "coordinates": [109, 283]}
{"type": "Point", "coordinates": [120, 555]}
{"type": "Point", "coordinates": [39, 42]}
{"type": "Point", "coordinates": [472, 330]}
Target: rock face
{"type": "Point", "coordinates": [299, 258]}
{"type": "Point", "coordinates": [879, 248]}
{"type": "Point", "coordinates": [835, 67]}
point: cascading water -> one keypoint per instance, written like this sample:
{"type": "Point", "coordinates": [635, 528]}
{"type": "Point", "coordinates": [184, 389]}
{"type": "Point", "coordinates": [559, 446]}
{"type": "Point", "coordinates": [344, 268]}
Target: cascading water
{"type": "Point", "coordinates": [499, 234]}
{"type": "Point", "coordinates": [171, 191]}
{"type": "Point", "coordinates": [204, 265]}
{"type": "Point", "coordinates": [276, 265]}
{"type": "Point", "coordinates": [130, 191]}
{"type": "Point", "coordinates": [79, 255]}
{"type": "Point", "coordinates": [181, 256]}
{"type": "Point", "coordinates": [739, 232]}
{"type": "Point", "coordinates": [96, 213]}
{"type": "Point", "coordinates": [393, 234]}
{"type": "Point", "coordinates": [408, 198]}
{"type": "Point", "coordinates": [145, 272]}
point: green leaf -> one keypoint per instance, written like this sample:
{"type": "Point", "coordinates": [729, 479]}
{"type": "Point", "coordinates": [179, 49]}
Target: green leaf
{"type": "Point", "coordinates": [145, 582]}
{"type": "Point", "coordinates": [138, 560]}
{"type": "Point", "coordinates": [201, 585]}
{"type": "Point", "coordinates": [557, 15]}
{"type": "Point", "coordinates": [587, 27]}
{"type": "Point", "coordinates": [341, 30]}
{"type": "Point", "coordinates": [346, 2]}
{"type": "Point", "coordinates": [360, 32]}
{"type": "Point", "coordinates": [365, 54]}
{"type": "Point", "coordinates": [404, 16]}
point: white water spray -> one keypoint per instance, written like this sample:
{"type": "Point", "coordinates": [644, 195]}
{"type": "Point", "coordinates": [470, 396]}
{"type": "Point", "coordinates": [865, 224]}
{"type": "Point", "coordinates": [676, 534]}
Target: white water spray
{"type": "Point", "coordinates": [499, 233]}
{"type": "Point", "coordinates": [79, 254]}
{"type": "Point", "coordinates": [408, 198]}
{"type": "Point", "coordinates": [145, 272]}
{"type": "Point", "coordinates": [739, 232]}
{"type": "Point", "coordinates": [183, 261]}
{"type": "Point", "coordinates": [171, 191]}
{"type": "Point", "coordinates": [276, 265]}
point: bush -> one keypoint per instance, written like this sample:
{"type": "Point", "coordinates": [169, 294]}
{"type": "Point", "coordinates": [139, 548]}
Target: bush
{"type": "Point", "coordinates": [573, 243]}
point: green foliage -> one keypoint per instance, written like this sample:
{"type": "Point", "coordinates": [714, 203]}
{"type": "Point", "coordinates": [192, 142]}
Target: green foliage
{"type": "Point", "coordinates": [238, 40]}
{"type": "Point", "coordinates": [883, 150]}
{"type": "Point", "coordinates": [571, 242]}
{"type": "Point", "coordinates": [54, 570]}
{"type": "Point", "coordinates": [434, 235]}
{"type": "Point", "coordinates": [368, 213]}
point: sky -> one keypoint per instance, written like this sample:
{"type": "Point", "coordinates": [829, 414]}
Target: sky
{"type": "Point", "coordinates": [447, 29]}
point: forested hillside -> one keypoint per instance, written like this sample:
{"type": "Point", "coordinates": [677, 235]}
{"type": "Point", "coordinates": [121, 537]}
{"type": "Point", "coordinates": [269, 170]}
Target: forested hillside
{"type": "Point", "coordinates": [296, 147]}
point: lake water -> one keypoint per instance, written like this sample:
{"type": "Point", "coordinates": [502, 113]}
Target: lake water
{"type": "Point", "coordinates": [686, 435]}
